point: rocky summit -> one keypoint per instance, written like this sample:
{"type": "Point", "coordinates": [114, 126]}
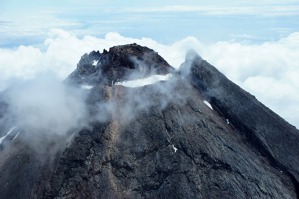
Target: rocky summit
{"type": "Point", "coordinates": [193, 135]}
{"type": "Point", "coordinates": [119, 64]}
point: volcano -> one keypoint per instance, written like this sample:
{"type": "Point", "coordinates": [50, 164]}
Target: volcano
{"type": "Point", "coordinates": [186, 133]}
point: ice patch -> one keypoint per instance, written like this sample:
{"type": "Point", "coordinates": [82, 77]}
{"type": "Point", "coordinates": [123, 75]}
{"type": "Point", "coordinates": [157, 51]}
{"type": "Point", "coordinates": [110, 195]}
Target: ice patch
{"type": "Point", "coordinates": [208, 104]}
{"type": "Point", "coordinates": [11, 130]}
{"type": "Point", "coordinates": [174, 148]}
{"type": "Point", "coordinates": [87, 87]}
{"type": "Point", "coordinates": [143, 82]}
{"type": "Point", "coordinates": [95, 62]}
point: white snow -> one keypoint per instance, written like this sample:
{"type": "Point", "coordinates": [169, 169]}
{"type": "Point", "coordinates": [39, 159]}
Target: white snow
{"type": "Point", "coordinates": [87, 87]}
{"type": "Point", "coordinates": [95, 62]}
{"type": "Point", "coordinates": [16, 136]}
{"type": "Point", "coordinates": [174, 148]}
{"type": "Point", "coordinates": [11, 130]}
{"type": "Point", "coordinates": [208, 104]}
{"type": "Point", "coordinates": [145, 81]}
{"type": "Point", "coordinates": [227, 121]}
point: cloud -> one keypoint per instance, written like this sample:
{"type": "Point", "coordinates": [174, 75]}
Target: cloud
{"type": "Point", "coordinates": [45, 104]}
{"type": "Point", "coordinates": [45, 112]}
{"type": "Point", "coordinates": [61, 51]}
{"type": "Point", "coordinates": [266, 10]}
{"type": "Point", "coordinates": [269, 70]}
{"type": "Point", "coordinates": [176, 18]}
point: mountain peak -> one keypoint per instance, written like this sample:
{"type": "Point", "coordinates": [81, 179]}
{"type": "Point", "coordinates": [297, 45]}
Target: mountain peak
{"type": "Point", "coordinates": [195, 135]}
{"type": "Point", "coordinates": [120, 63]}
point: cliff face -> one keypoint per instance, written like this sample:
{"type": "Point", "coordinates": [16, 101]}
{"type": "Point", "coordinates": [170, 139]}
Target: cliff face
{"type": "Point", "coordinates": [196, 135]}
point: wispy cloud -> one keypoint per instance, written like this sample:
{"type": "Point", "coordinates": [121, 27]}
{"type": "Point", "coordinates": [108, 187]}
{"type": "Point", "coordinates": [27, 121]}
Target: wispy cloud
{"type": "Point", "coordinates": [285, 10]}
{"type": "Point", "coordinates": [4, 22]}
{"type": "Point", "coordinates": [175, 19]}
{"type": "Point", "coordinates": [37, 22]}
{"type": "Point", "coordinates": [34, 26]}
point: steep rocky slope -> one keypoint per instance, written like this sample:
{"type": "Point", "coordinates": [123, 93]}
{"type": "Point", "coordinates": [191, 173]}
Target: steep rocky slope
{"type": "Point", "coordinates": [159, 140]}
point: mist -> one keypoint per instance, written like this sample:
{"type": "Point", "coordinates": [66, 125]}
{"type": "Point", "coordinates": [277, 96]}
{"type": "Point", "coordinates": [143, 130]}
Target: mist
{"type": "Point", "coordinates": [47, 110]}
{"type": "Point", "coordinates": [45, 107]}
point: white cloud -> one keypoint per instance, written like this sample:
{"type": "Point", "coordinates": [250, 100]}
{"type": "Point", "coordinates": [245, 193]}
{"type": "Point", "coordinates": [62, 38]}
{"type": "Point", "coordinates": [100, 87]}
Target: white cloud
{"type": "Point", "coordinates": [61, 52]}
{"type": "Point", "coordinates": [35, 24]}
{"type": "Point", "coordinates": [269, 70]}
{"type": "Point", "coordinates": [261, 10]}
{"type": "Point", "coordinates": [46, 105]}
{"type": "Point", "coordinates": [280, 95]}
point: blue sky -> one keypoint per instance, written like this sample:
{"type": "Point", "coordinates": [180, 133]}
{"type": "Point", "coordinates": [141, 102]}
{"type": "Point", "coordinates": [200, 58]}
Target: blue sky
{"type": "Point", "coordinates": [27, 22]}
{"type": "Point", "coordinates": [254, 43]}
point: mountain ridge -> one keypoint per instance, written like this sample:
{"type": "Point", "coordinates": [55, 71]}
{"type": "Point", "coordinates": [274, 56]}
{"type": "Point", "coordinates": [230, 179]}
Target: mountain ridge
{"type": "Point", "coordinates": [159, 140]}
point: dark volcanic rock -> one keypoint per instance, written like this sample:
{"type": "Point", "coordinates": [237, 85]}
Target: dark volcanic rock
{"type": "Point", "coordinates": [162, 141]}
{"type": "Point", "coordinates": [268, 132]}
{"type": "Point", "coordinates": [120, 63]}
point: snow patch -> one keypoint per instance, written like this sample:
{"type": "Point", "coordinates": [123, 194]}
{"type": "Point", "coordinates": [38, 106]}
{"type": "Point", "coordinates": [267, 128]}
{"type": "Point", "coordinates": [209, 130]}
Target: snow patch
{"type": "Point", "coordinates": [174, 148]}
{"type": "Point", "coordinates": [87, 87]}
{"type": "Point", "coordinates": [208, 104]}
{"type": "Point", "coordinates": [16, 136]}
{"type": "Point", "coordinates": [95, 62]}
{"type": "Point", "coordinates": [145, 81]}
{"type": "Point", "coordinates": [9, 132]}
{"type": "Point", "coordinates": [227, 121]}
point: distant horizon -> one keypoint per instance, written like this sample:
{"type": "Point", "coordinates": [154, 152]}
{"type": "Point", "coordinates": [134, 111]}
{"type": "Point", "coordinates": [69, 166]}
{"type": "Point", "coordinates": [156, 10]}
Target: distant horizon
{"type": "Point", "coordinates": [165, 22]}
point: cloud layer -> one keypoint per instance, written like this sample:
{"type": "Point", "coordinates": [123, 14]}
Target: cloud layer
{"type": "Point", "coordinates": [269, 70]}
{"type": "Point", "coordinates": [266, 10]}
{"type": "Point", "coordinates": [176, 19]}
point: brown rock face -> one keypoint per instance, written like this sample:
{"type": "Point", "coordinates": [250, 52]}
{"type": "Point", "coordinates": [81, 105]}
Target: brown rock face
{"type": "Point", "coordinates": [160, 140]}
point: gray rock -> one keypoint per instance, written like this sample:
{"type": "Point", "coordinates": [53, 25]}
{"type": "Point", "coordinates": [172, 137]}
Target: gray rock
{"type": "Point", "coordinates": [163, 141]}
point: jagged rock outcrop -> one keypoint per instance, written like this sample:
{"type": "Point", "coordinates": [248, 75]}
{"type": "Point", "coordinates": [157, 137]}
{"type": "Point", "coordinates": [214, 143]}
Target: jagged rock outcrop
{"type": "Point", "coordinates": [119, 64]}
{"type": "Point", "coordinates": [160, 140]}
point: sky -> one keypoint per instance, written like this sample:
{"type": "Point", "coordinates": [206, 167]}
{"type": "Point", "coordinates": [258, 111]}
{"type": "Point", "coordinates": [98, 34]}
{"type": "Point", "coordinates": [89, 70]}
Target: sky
{"type": "Point", "coordinates": [254, 43]}
{"type": "Point", "coordinates": [165, 21]}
